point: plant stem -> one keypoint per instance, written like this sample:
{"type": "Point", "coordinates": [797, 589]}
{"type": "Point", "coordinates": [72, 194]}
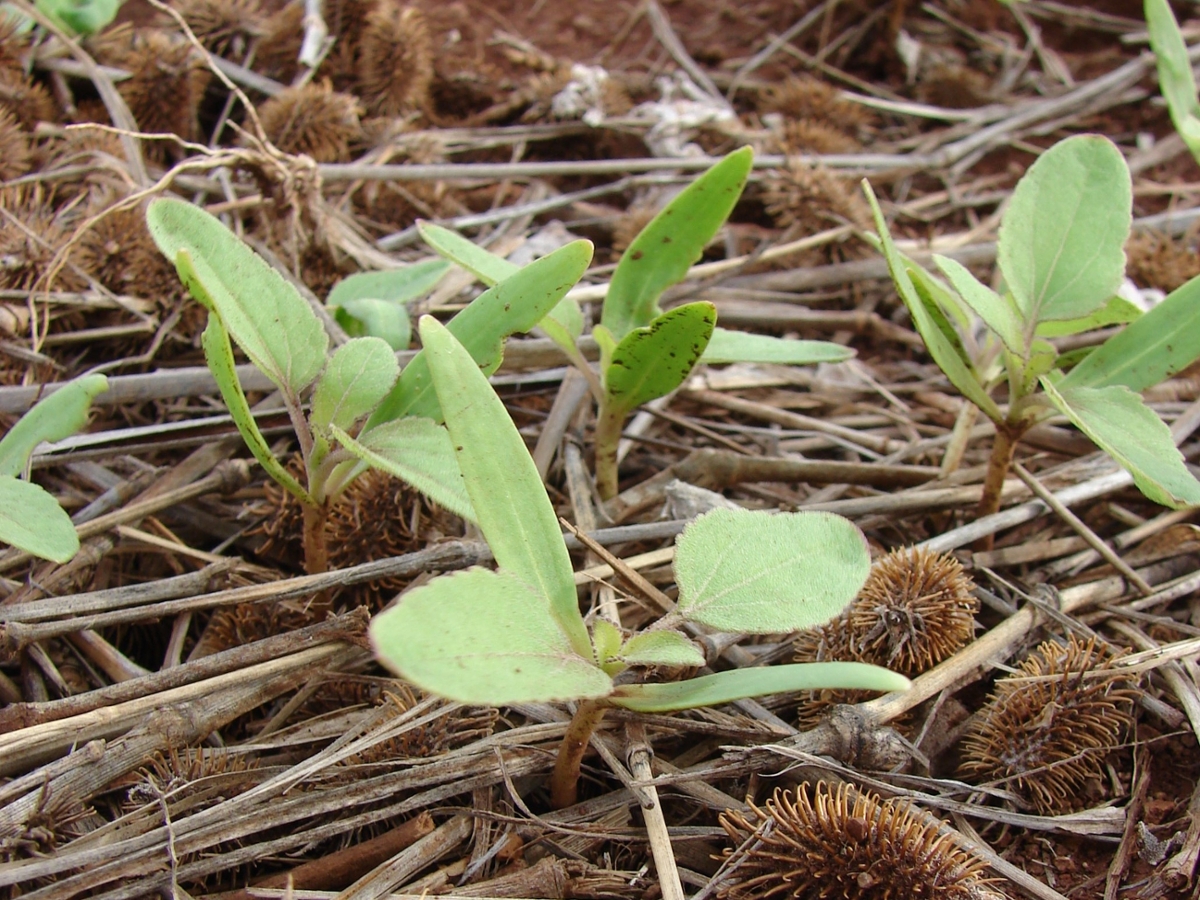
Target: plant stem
{"type": "Point", "coordinates": [1003, 450]}
{"type": "Point", "coordinates": [316, 554]}
{"type": "Point", "coordinates": [608, 436]}
{"type": "Point", "coordinates": [564, 782]}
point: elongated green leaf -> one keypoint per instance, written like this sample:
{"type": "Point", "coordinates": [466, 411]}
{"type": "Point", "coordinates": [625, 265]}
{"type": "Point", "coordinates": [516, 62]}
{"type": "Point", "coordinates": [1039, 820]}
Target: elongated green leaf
{"type": "Point", "coordinates": [483, 264]}
{"type": "Point", "coordinates": [944, 351]}
{"type": "Point", "coordinates": [32, 520]}
{"type": "Point", "coordinates": [666, 248]}
{"type": "Point", "coordinates": [1161, 343]}
{"type": "Point", "coordinates": [738, 684]}
{"type": "Point", "coordinates": [740, 346]}
{"type": "Point", "coordinates": [510, 502]}
{"type": "Point", "coordinates": [359, 375]}
{"type": "Point", "coordinates": [516, 304]}
{"type": "Point", "coordinates": [651, 362]}
{"type": "Point", "coordinates": [54, 417]}
{"type": "Point", "coordinates": [418, 451]}
{"type": "Point", "coordinates": [1117, 311]}
{"type": "Point", "coordinates": [259, 309]}
{"type": "Point", "coordinates": [564, 325]}
{"type": "Point", "coordinates": [218, 353]}
{"type": "Point", "coordinates": [1126, 429]}
{"type": "Point", "coordinates": [996, 311]}
{"type": "Point", "coordinates": [1175, 77]}
{"type": "Point", "coordinates": [740, 570]}
{"type": "Point", "coordinates": [367, 317]}
{"type": "Point", "coordinates": [1063, 235]}
{"type": "Point", "coordinates": [394, 285]}
{"type": "Point", "coordinates": [661, 648]}
{"type": "Point", "coordinates": [484, 637]}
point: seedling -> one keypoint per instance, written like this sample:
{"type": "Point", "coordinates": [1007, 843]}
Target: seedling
{"type": "Point", "coordinates": [371, 304]}
{"type": "Point", "coordinates": [1061, 258]}
{"type": "Point", "coordinates": [1175, 76]}
{"type": "Point", "coordinates": [274, 326]}
{"type": "Point", "coordinates": [515, 635]}
{"type": "Point", "coordinates": [644, 352]}
{"type": "Point", "coordinates": [30, 517]}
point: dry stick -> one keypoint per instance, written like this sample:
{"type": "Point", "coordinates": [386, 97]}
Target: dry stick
{"type": "Point", "coordinates": [385, 878]}
{"type": "Point", "coordinates": [1083, 531]}
{"type": "Point", "coordinates": [639, 755]}
{"type": "Point", "coordinates": [1085, 558]}
{"type": "Point", "coordinates": [571, 393]}
{"type": "Point", "coordinates": [666, 35]}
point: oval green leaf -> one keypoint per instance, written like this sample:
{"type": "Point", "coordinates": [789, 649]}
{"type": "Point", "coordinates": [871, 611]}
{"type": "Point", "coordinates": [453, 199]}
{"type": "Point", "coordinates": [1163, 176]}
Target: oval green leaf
{"type": "Point", "coordinates": [738, 684]}
{"type": "Point", "coordinates": [1062, 238]}
{"type": "Point", "coordinates": [661, 648]}
{"type": "Point", "coordinates": [506, 492]}
{"type": "Point", "coordinates": [32, 520]}
{"type": "Point", "coordinates": [367, 317]}
{"type": "Point", "coordinates": [54, 417]}
{"type": "Point", "coordinates": [666, 248]}
{"type": "Point", "coordinates": [741, 346]}
{"type": "Point", "coordinates": [484, 637]}
{"type": "Point", "coordinates": [740, 570]}
{"type": "Point", "coordinates": [260, 310]}
{"type": "Point", "coordinates": [359, 375]}
{"type": "Point", "coordinates": [652, 361]}
{"type": "Point", "coordinates": [394, 285]}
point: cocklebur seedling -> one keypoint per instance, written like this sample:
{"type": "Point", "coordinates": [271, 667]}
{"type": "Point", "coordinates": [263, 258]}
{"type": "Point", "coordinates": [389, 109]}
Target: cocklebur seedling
{"type": "Point", "coordinates": [30, 517]}
{"type": "Point", "coordinates": [516, 635]}
{"type": "Point", "coordinates": [274, 326]}
{"type": "Point", "coordinates": [371, 304]}
{"type": "Point", "coordinates": [1062, 259]}
{"type": "Point", "coordinates": [644, 352]}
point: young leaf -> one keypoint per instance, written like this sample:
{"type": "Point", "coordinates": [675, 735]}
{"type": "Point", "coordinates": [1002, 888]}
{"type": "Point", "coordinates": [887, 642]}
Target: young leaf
{"type": "Point", "coordinates": [516, 304]}
{"type": "Point", "coordinates": [739, 570]}
{"type": "Point", "coordinates": [661, 648]}
{"type": "Point", "coordinates": [483, 264]}
{"type": "Point", "coordinates": [1063, 235]}
{"type": "Point", "coordinates": [32, 520]}
{"type": "Point", "coordinates": [81, 17]}
{"type": "Point", "coordinates": [394, 285]}
{"type": "Point", "coordinates": [741, 346]}
{"type": "Point", "coordinates": [510, 502]}
{"type": "Point", "coordinates": [996, 311]}
{"type": "Point", "coordinates": [944, 351]}
{"type": "Point", "coordinates": [651, 362]}
{"type": "Point", "coordinates": [738, 684]}
{"type": "Point", "coordinates": [1159, 344]}
{"type": "Point", "coordinates": [1126, 429]}
{"type": "Point", "coordinates": [606, 644]}
{"type": "Point", "coordinates": [1117, 311]}
{"type": "Point", "coordinates": [53, 418]}
{"type": "Point", "coordinates": [666, 248]}
{"type": "Point", "coordinates": [484, 637]}
{"type": "Point", "coordinates": [219, 355]}
{"type": "Point", "coordinates": [418, 451]}
{"type": "Point", "coordinates": [368, 317]}
{"type": "Point", "coordinates": [259, 309]}
{"type": "Point", "coordinates": [359, 375]}
{"type": "Point", "coordinates": [1175, 77]}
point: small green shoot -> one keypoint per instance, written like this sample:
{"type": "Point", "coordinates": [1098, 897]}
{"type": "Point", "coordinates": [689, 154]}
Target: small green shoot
{"type": "Point", "coordinates": [251, 305]}
{"type": "Point", "coordinates": [30, 517]}
{"type": "Point", "coordinates": [1062, 260]}
{"type": "Point", "coordinates": [516, 634]}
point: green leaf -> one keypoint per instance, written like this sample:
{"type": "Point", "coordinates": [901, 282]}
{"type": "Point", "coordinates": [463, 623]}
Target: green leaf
{"type": "Point", "coordinates": [1175, 77]}
{"type": "Point", "coordinates": [564, 325]}
{"type": "Point", "coordinates": [945, 351]}
{"type": "Point", "coordinates": [218, 353]}
{"type": "Point", "coordinates": [516, 304]}
{"type": "Point", "coordinates": [996, 311]}
{"type": "Point", "coordinates": [606, 644]}
{"type": "Point", "coordinates": [394, 285]}
{"type": "Point", "coordinates": [82, 17]}
{"type": "Point", "coordinates": [1161, 343]}
{"type": "Point", "coordinates": [54, 417]}
{"type": "Point", "coordinates": [484, 637]}
{"type": "Point", "coordinates": [1117, 311]}
{"type": "Point", "coordinates": [740, 570]}
{"type": "Point", "coordinates": [1126, 429]}
{"type": "Point", "coordinates": [367, 317]}
{"type": "Point", "coordinates": [510, 502]}
{"type": "Point", "coordinates": [666, 248]}
{"type": "Point", "coordinates": [738, 684]}
{"type": "Point", "coordinates": [483, 264]}
{"type": "Point", "coordinates": [741, 346]}
{"type": "Point", "coordinates": [358, 377]}
{"type": "Point", "coordinates": [1062, 238]}
{"type": "Point", "coordinates": [418, 451]}
{"type": "Point", "coordinates": [260, 310]}
{"type": "Point", "coordinates": [32, 520]}
{"type": "Point", "coordinates": [661, 648]}
{"type": "Point", "coordinates": [652, 361]}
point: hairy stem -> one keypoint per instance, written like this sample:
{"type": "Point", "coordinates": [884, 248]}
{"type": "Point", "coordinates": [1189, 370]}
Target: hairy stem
{"type": "Point", "coordinates": [316, 554]}
{"type": "Point", "coordinates": [1003, 449]}
{"type": "Point", "coordinates": [608, 436]}
{"type": "Point", "coordinates": [564, 782]}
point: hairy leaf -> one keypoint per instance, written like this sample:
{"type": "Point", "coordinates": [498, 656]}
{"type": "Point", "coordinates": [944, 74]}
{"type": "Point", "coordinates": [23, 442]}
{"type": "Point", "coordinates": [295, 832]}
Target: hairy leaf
{"type": "Point", "coordinates": [359, 375]}
{"type": "Point", "coordinates": [651, 362]}
{"type": "Point", "coordinates": [32, 520]}
{"type": "Point", "coordinates": [484, 637]}
{"type": "Point", "coordinates": [995, 310]}
{"type": "Point", "coordinates": [741, 346]}
{"type": "Point", "coordinates": [54, 417]}
{"type": "Point", "coordinates": [739, 570]}
{"type": "Point", "coordinates": [661, 648]}
{"type": "Point", "coordinates": [368, 317]}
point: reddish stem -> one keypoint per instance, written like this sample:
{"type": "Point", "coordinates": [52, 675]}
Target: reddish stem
{"type": "Point", "coordinates": [564, 782]}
